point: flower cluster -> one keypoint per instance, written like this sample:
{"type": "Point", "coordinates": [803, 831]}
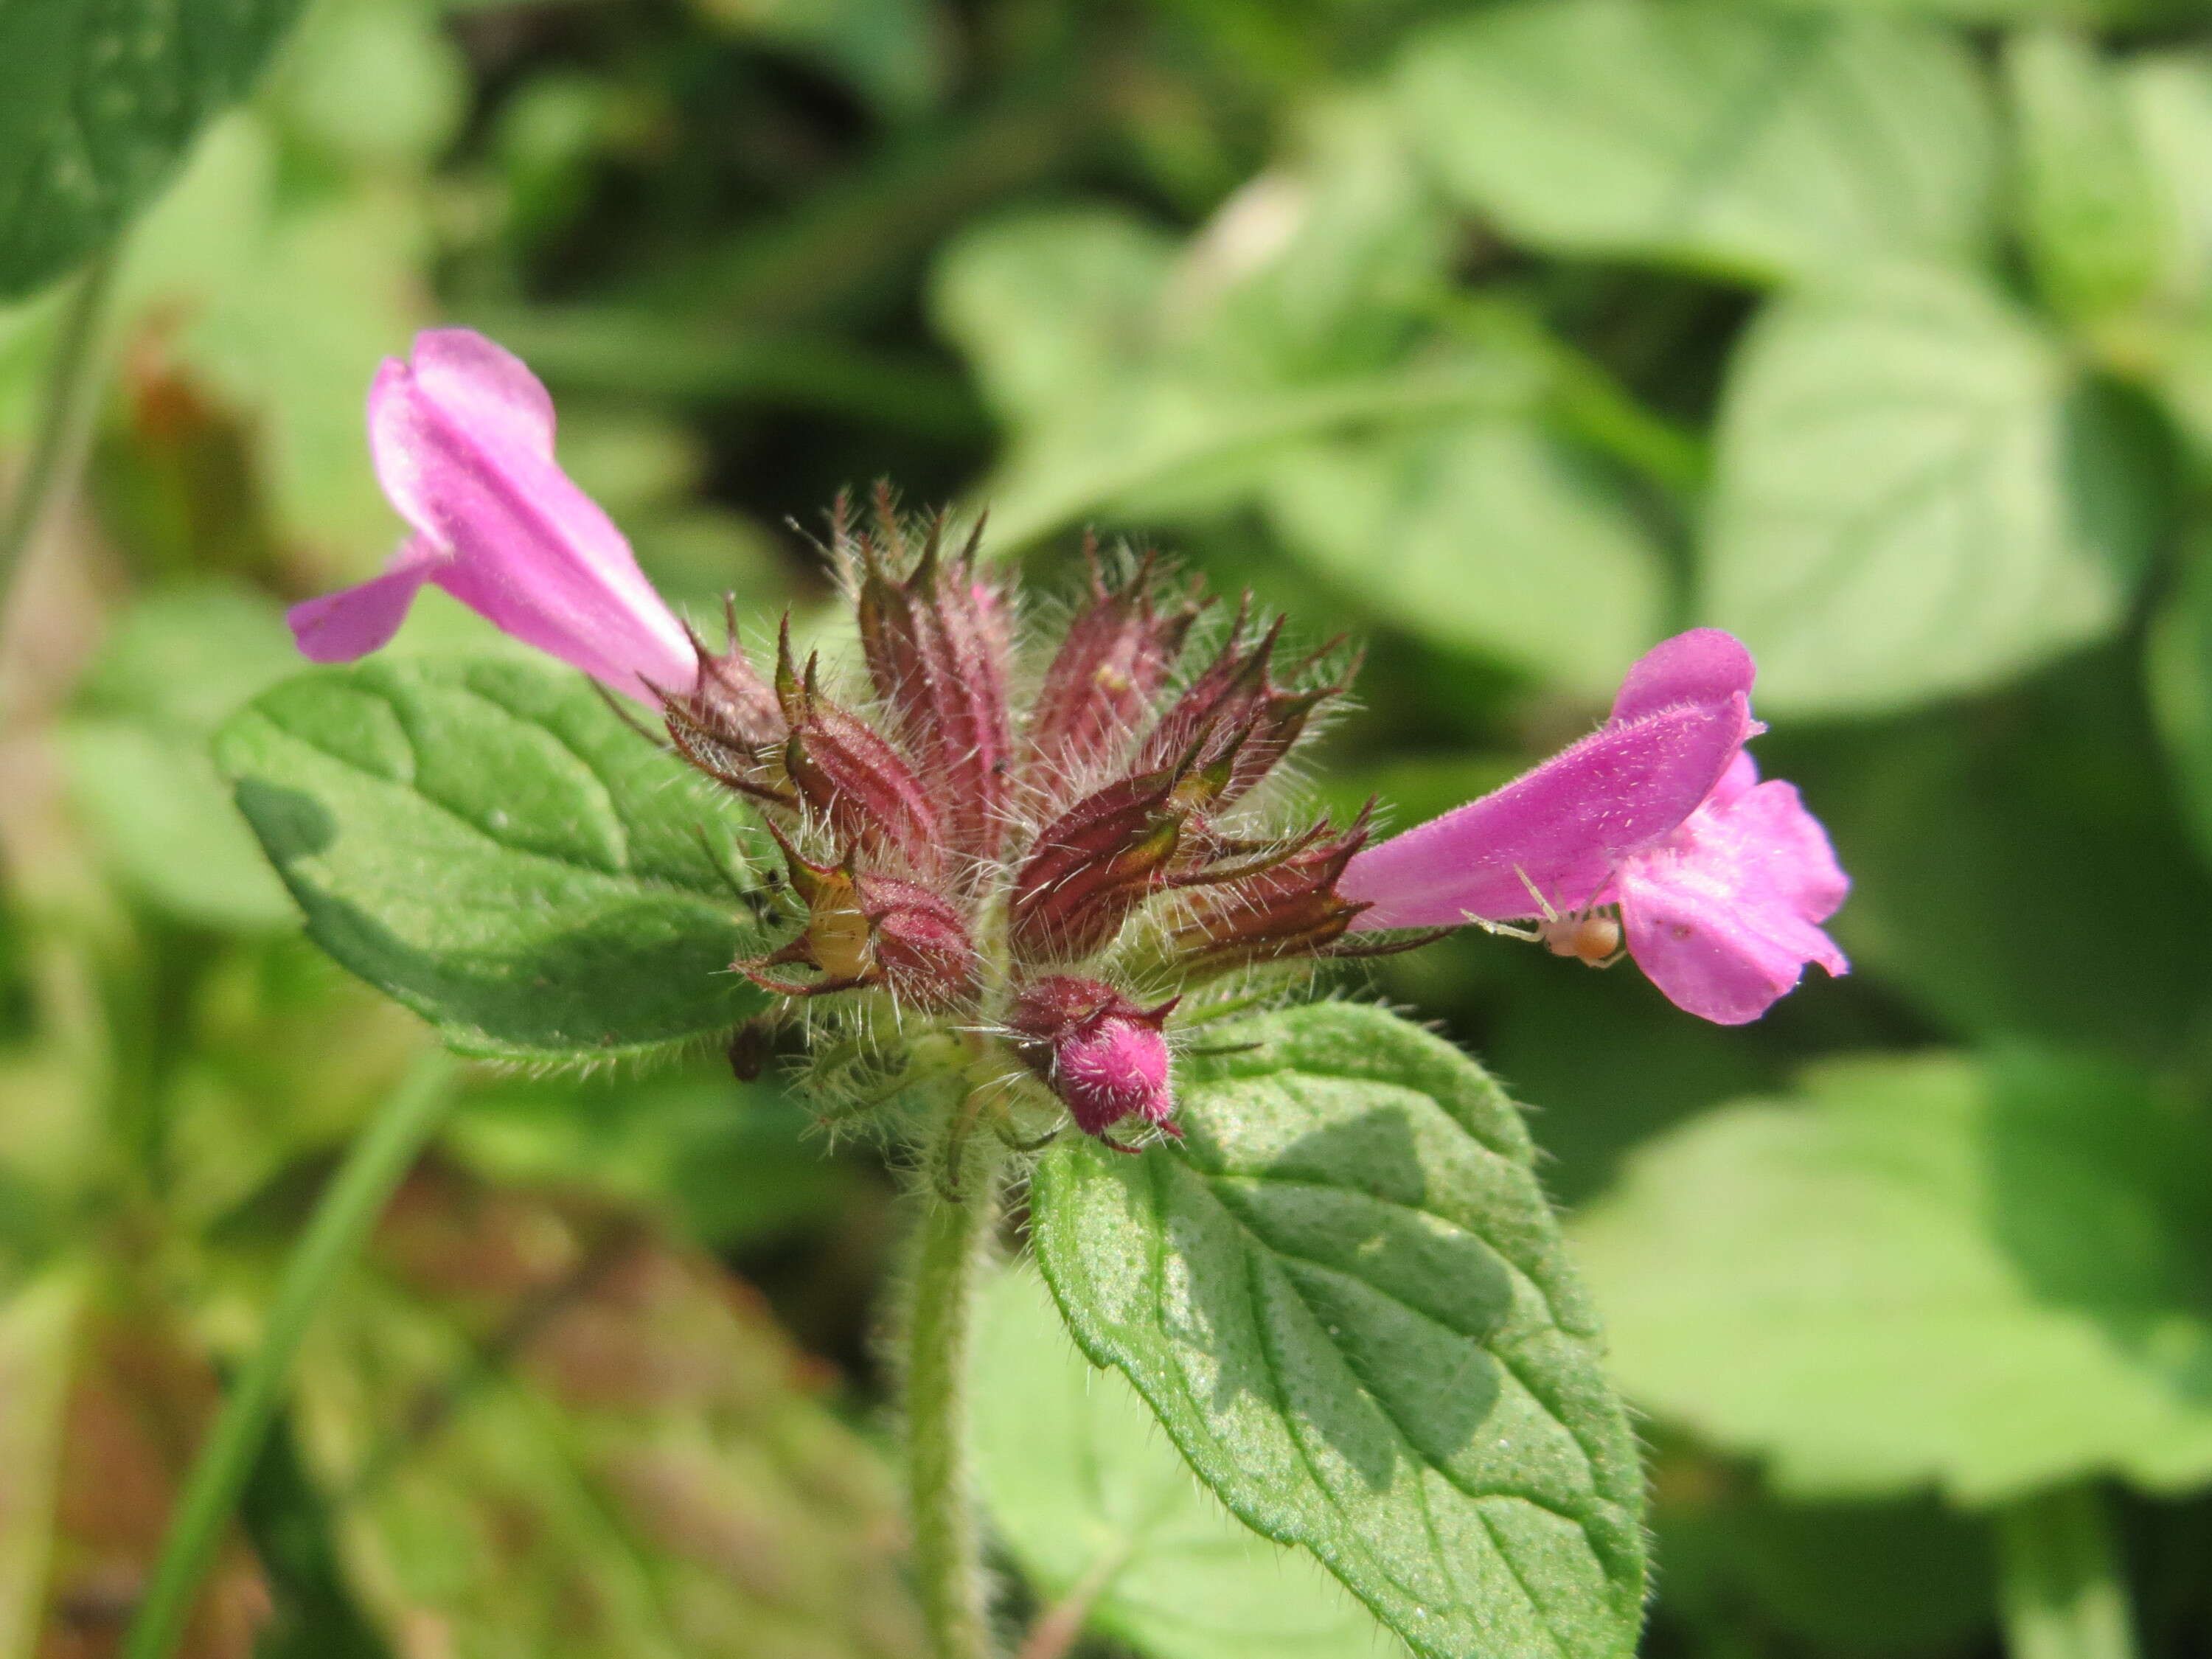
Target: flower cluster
{"type": "Point", "coordinates": [1054, 867]}
{"type": "Point", "coordinates": [1026, 869]}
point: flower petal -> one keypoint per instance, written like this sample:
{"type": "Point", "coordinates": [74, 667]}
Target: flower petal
{"type": "Point", "coordinates": [355, 620]}
{"type": "Point", "coordinates": [1704, 665]}
{"type": "Point", "coordinates": [484, 388]}
{"type": "Point", "coordinates": [1723, 917]}
{"type": "Point", "coordinates": [1565, 826]}
{"type": "Point", "coordinates": [463, 452]}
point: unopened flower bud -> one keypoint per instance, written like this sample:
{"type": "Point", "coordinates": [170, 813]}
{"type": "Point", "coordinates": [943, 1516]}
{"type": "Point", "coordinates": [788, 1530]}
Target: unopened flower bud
{"type": "Point", "coordinates": [937, 651]}
{"type": "Point", "coordinates": [865, 930]}
{"type": "Point", "coordinates": [1102, 681]}
{"type": "Point", "coordinates": [1105, 1057]}
{"type": "Point", "coordinates": [856, 782]}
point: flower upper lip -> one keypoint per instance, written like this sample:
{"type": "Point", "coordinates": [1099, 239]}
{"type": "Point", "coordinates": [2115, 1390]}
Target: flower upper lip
{"type": "Point", "coordinates": [461, 435]}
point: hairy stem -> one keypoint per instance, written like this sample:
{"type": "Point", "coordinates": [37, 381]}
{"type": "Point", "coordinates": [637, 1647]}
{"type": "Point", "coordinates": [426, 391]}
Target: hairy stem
{"type": "Point", "coordinates": [2061, 1582]}
{"type": "Point", "coordinates": [65, 413]}
{"type": "Point", "coordinates": [959, 1210]}
{"type": "Point", "coordinates": [381, 1154]}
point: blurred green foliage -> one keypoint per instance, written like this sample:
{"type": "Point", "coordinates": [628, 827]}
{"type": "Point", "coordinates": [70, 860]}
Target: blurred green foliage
{"type": "Point", "coordinates": [1509, 336]}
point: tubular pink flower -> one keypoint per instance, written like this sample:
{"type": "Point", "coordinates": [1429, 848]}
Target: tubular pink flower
{"type": "Point", "coordinates": [462, 435]}
{"type": "Point", "coordinates": [1722, 880]}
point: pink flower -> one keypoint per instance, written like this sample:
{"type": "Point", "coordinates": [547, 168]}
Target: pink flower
{"type": "Point", "coordinates": [1720, 881]}
{"type": "Point", "coordinates": [463, 439]}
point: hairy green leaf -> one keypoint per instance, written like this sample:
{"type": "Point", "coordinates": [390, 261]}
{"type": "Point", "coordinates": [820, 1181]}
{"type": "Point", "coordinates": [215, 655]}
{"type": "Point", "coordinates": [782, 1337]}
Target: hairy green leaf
{"type": "Point", "coordinates": [1982, 1276]}
{"type": "Point", "coordinates": [1754, 140]}
{"type": "Point", "coordinates": [98, 99]}
{"type": "Point", "coordinates": [1089, 1500]}
{"type": "Point", "coordinates": [1347, 1300]}
{"type": "Point", "coordinates": [1912, 501]}
{"type": "Point", "coordinates": [490, 843]}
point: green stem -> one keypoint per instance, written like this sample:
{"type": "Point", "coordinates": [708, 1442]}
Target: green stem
{"type": "Point", "coordinates": [956, 1229]}
{"type": "Point", "coordinates": [65, 413]}
{"type": "Point", "coordinates": [1061, 1625]}
{"type": "Point", "coordinates": [2061, 1583]}
{"type": "Point", "coordinates": [1019, 520]}
{"type": "Point", "coordinates": [382, 1153]}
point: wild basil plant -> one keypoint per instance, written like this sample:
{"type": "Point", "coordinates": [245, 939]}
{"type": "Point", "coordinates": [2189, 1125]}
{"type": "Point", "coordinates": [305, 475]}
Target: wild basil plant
{"type": "Point", "coordinates": [1030, 892]}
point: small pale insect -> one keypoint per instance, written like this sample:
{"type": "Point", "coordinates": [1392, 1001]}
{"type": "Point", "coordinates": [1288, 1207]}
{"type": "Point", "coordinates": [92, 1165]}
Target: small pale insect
{"type": "Point", "coordinates": [1591, 934]}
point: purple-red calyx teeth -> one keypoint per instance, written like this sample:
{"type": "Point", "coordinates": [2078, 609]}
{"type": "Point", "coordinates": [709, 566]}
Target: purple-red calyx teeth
{"type": "Point", "coordinates": [730, 724]}
{"type": "Point", "coordinates": [1283, 907]}
{"type": "Point", "coordinates": [1101, 686]}
{"type": "Point", "coordinates": [1094, 865]}
{"type": "Point", "coordinates": [854, 778]}
{"type": "Point", "coordinates": [936, 646]}
{"type": "Point", "coordinates": [1105, 1057]}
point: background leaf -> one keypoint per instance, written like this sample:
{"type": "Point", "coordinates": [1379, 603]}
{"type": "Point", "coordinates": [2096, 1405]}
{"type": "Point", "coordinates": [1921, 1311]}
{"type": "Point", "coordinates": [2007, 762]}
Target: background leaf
{"type": "Point", "coordinates": [174, 666]}
{"type": "Point", "coordinates": [544, 1434]}
{"type": "Point", "coordinates": [1482, 535]}
{"type": "Point", "coordinates": [98, 99]}
{"type": "Point", "coordinates": [1760, 141]}
{"type": "Point", "coordinates": [1347, 1303]}
{"type": "Point", "coordinates": [1984, 1277]}
{"type": "Point", "coordinates": [1084, 1492]}
{"type": "Point", "coordinates": [36, 1336]}
{"type": "Point", "coordinates": [2089, 205]}
{"type": "Point", "coordinates": [1906, 503]}
{"type": "Point", "coordinates": [489, 843]}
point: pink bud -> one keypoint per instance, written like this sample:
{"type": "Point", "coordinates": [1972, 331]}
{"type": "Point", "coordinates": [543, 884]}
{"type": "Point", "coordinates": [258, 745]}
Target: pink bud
{"type": "Point", "coordinates": [1105, 1057]}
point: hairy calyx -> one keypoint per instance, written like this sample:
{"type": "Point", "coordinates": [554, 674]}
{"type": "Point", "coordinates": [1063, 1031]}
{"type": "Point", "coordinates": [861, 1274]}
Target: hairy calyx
{"type": "Point", "coordinates": [1054, 869]}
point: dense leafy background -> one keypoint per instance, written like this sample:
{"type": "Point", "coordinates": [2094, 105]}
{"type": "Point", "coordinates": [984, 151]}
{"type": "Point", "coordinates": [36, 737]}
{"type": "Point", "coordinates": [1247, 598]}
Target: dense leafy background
{"type": "Point", "coordinates": [1513, 334]}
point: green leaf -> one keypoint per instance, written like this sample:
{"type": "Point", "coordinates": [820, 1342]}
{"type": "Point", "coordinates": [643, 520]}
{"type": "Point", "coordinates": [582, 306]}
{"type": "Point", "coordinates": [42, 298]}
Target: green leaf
{"type": "Point", "coordinates": [275, 307]}
{"type": "Point", "coordinates": [1087, 1497]}
{"type": "Point", "coordinates": [1985, 1277]}
{"type": "Point", "coordinates": [1911, 501]}
{"type": "Point", "coordinates": [546, 1436]}
{"type": "Point", "coordinates": [2115, 14]}
{"type": "Point", "coordinates": [727, 1164]}
{"type": "Point", "coordinates": [1990, 847]}
{"type": "Point", "coordinates": [488, 842]}
{"type": "Point", "coordinates": [1143, 383]}
{"type": "Point", "coordinates": [2088, 204]}
{"type": "Point", "coordinates": [1049, 305]}
{"type": "Point", "coordinates": [1345, 1298]}
{"type": "Point", "coordinates": [165, 823]}
{"type": "Point", "coordinates": [378, 83]}
{"type": "Point", "coordinates": [176, 664]}
{"type": "Point", "coordinates": [896, 54]}
{"type": "Point", "coordinates": [37, 1339]}
{"type": "Point", "coordinates": [1754, 141]}
{"type": "Point", "coordinates": [1480, 535]}
{"type": "Point", "coordinates": [1911, 1577]}
{"type": "Point", "coordinates": [98, 100]}
{"type": "Point", "coordinates": [2178, 670]}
